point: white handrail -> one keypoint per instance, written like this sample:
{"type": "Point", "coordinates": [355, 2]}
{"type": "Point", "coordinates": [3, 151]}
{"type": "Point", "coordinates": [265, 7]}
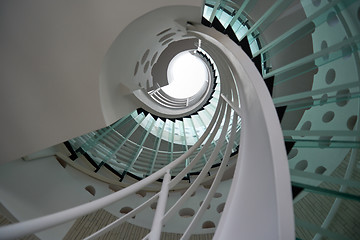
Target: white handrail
{"type": "Point", "coordinates": [254, 201]}
{"type": "Point", "coordinates": [160, 209]}
{"type": "Point", "coordinates": [20, 229]}
{"type": "Point", "coordinates": [214, 185]}
{"type": "Point", "coordinates": [119, 221]}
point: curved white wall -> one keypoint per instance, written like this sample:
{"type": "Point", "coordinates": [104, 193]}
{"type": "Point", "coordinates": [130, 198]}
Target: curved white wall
{"type": "Point", "coordinates": [51, 56]}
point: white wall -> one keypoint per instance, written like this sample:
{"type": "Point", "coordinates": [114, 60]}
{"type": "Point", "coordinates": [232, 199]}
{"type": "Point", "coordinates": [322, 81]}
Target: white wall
{"type": "Point", "coordinates": [51, 55]}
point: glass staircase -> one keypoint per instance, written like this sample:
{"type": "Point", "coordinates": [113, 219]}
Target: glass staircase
{"type": "Point", "coordinates": [307, 52]}
{"type": "Point", "coordinates": [307, 142]}
{"type": "Point", "coordinates": [323, 144]}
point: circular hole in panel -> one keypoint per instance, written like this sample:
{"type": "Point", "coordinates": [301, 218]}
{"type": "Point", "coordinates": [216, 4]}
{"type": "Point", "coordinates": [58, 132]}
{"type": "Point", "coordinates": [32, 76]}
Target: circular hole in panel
{"type": "Point", "coordinates": [153, 205]}
{"type": "Point", "coordinates": [141, 193]}
{"type": "Point", "coordinates": [332, 19]}
{"type": "Point", "coordinates": [217, 195]}
{"type": "Point", "coordinates": [306, 126]}
{"type": "Point", "coordinates": [220, 207]}
{"type": "Point", "coordinates": [324, 141]}
{"type": "Point", "coordinates": [167, 41]}
{"type": "Point", "coordinates": [208, 207]}
{"type": "Point", "coordinates": [293, 153]}
{"type": "Point", "coordinates": [144, 57]}
{"type": "Point", "coordinates": [346, 51]}
{"type": "Point", "coordinates": [301, 165]}
{"type": "Point", "coordinates": [351, 122]}
{"type": "Point", "coordinates": [309, 102]}
{"type": "Point", "coordinates": [114, 187]}
{"type": "Point", "coordinates": [90, 189]}
{"type": "Point", "coordinates": [207, 186]}
{"type": "Point", "coordinates": [61, 162]}
{"type": "Point", "coordinates": [316, 3]}
{"type": "Point", "coordinates": [164, 31]}
{"type": "Point", "coordinates": [153, 59]}
{"type": "Point", "coordinates": [342, 97]}
{"type": "Point", "coordinates": [320, 170]}
{"type": "Point", "coordinates": [125, 210]}
{"type": "Point", "coordinates": [324, 46]}
{"type": "Point", "coordinates": [167, 36]}
{"type": "Point", "coordinates": [328, 116]}
{"type": "Point", "coordinates": [330, 76]}
{"type": "Point", "coordinates": [136, 68]}
{"type": "Point", "coordinates": [208, 224]}
{"type": "Point", "coordinates": [146, 67]}
{"type": "Point", "coordinates": [323, 99]}
{"type": "Point", "coordinates": [186, 212]}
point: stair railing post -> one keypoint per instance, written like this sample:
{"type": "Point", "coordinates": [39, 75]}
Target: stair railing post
{"type": "Point", "coordinates": [160, 208]}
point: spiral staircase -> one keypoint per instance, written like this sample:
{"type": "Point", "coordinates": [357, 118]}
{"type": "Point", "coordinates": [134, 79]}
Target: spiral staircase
{"type": "Point", "coordinates": [283, 80]}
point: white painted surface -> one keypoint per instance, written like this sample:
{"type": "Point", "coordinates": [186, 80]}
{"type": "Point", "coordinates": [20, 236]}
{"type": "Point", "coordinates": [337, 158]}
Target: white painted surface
{"type": "Point", "coordinates": [51, 56]}
{"type": "Point", "coordinates": [35, 188]}
{"type": "Point", "coordinates": [255, 202]}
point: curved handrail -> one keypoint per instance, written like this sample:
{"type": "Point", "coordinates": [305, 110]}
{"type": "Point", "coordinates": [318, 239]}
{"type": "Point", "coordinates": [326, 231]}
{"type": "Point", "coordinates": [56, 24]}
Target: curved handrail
{"type": "Point", "coordinates": [272, 206]}
{"type": "Point", "coordinates": [41, 223]}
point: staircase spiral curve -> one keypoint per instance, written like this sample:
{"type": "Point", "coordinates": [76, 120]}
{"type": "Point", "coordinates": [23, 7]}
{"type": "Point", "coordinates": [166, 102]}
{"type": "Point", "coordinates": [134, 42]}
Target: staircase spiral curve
{"type": "Point", "coordinates": [278, 122]}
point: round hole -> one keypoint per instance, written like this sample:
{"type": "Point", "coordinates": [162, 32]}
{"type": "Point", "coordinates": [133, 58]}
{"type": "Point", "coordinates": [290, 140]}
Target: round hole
{"type": "Point", "coordinates": [324, 141]}
{"type": "Point", "coordinates": [146, 67]}
{"type": "Point", "coordinates": [324, 45]}
{"type": "Point", "coordinates": [217, 195]}
{"type": "Point", "coordinates": [342, 97]}
{"type": "Point", "coordinates": [208, 224]}
{"type": "Point", "coordinates": [61, 162]}
{"type": "Point", "coordinates": [207, 186]}
{"type": "Point", "coordinates": [346, 52]}
{"type": "Point", "coordinates": [125, 210]}
{"type": "Point", "coordinates": [328, 116]}
{"type": "Point", "coordinates": [144, 57]}
{"type": "Point", "coordinates": [351, 122]}
{"type": "Point", "coordinates": [167, 41]}
{"type": "Point", "coordinates": [193, 194]}
{"type": "Point", "coordinates": [141, 193]}
{"type": "Point", "coordinates": [114, 187]}
{"type": "Point", "coordinates": [153, 205]}
{"type": "Point", "coordinates": [309, 101]}
{"type": "Point", "coordinates": [301, 165]}
{"type": "Point", "coordinates": [208, 207]}
{"type": "Point", "coordinates": [186, 212]}
{"type": "Point", "coordinates": [91, 190]}
{"type": "Point", "coordinates": [323, 99]}
{"type": "Point", "coordinates": [154, 58]}
{"type": "Point", "coordinates": [164, 31]}
{"type": "Point", "coordinates": [220, 207]}
{"type": "Point", "coordinates": [316, 3]}
{"type": "Point", "coordinates": [306, 126]}
{"type": "Point", "coordinates": [330, 76]}
{"type": "Point", "coordinates": [332, 19]}
{"type": "Point", "coordinates": [293, 153]}
{"type": "Point", "coordinates": [320, 170]}
{"type": "Point", "coordinates": [136, 68]}
{"type": "Point", "coordinates": [167, 36]}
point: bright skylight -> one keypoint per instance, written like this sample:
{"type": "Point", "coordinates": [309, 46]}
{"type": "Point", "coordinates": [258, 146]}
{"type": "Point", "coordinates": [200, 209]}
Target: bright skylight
{"type": "Point", "coordinates": [186, 75]}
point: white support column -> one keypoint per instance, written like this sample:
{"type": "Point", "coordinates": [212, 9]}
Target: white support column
{"type": "Point", "coordinates": [160, 209]}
